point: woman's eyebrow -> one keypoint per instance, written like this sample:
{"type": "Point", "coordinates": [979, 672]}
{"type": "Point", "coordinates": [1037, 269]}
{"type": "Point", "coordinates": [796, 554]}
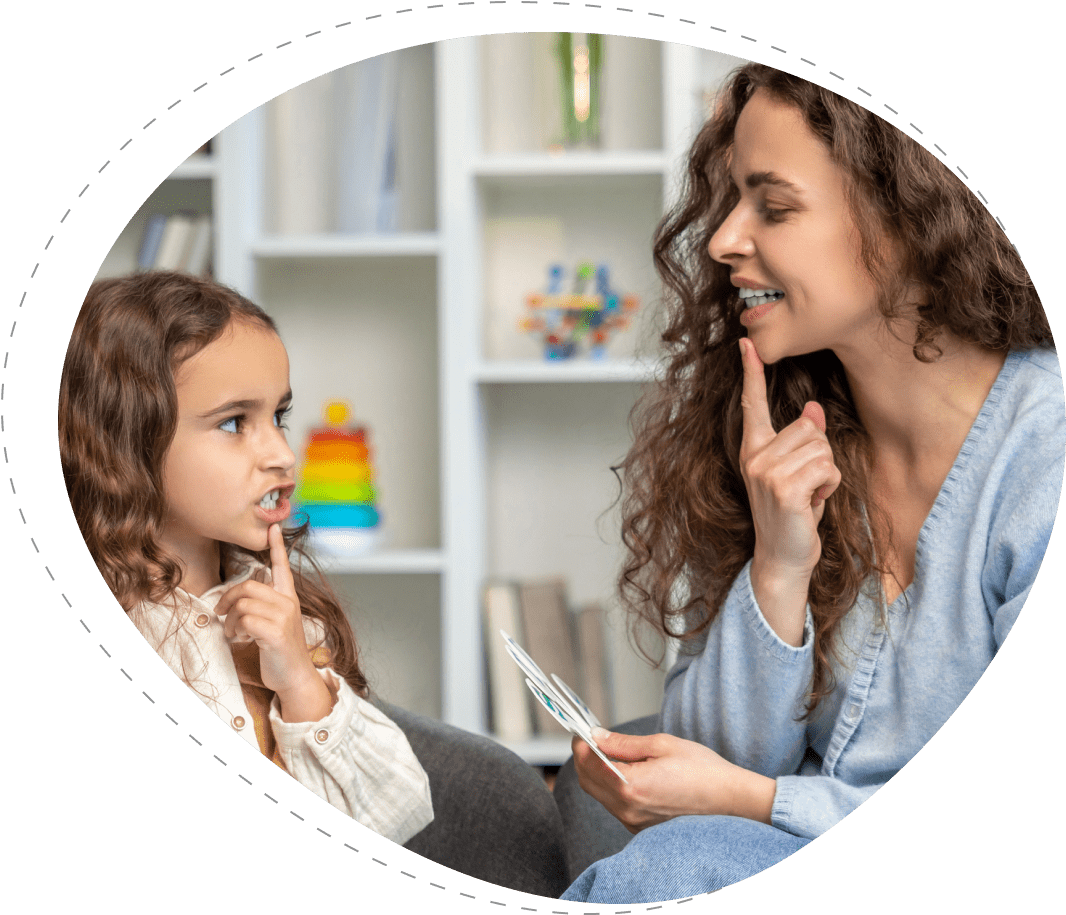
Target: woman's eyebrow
{"type": "Point", "coordinates": [756, 179]}
{"type": "Point", "coordinates": [246, 405]}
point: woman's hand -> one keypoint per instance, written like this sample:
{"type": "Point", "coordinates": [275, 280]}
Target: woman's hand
{"type": "Point", "coordinates": [668, 777]}
{"type": "Point", "coordinates": [788, 475]}
{"type": "Point", "coordinates": [270, 616]}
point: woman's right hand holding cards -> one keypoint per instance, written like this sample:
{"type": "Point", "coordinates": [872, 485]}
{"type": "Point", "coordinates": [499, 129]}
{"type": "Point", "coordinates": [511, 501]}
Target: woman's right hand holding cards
{"type": "Point", "coordinates": [666, 777]}
{"type": "Point", "coordinates": [788, 475]}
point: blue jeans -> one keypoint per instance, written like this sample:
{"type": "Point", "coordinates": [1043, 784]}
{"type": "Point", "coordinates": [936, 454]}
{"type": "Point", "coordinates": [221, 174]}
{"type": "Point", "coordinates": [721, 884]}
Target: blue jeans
{"type": "Point", "coordinates": [683, 857]}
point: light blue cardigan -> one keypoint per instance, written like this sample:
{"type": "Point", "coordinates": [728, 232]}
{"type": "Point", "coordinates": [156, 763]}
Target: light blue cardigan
{"type": "Point", "coordinates": [740, 688]}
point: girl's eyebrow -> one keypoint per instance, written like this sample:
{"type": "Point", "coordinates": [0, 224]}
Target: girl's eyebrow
{"type": "Point", "coordinates": [246, 405]}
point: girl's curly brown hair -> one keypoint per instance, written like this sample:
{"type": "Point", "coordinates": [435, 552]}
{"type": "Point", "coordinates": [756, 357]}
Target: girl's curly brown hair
{"type": "Point", "coordinates": [686, 521]}
{"type": "Point", "coordinates": [118, 411]}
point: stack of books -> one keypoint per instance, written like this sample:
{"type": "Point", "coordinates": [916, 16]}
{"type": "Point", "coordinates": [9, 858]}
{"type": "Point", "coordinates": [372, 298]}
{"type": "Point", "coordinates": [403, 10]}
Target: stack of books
{"type": "Point", "coordinates": [180, 241]}
{"type": "Point", "coordinates": [567, 642]}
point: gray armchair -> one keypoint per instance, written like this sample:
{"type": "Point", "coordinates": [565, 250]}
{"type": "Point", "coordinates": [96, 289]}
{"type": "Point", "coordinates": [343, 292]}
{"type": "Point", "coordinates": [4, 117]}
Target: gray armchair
{"type": "Point", "coordinates": [494, 818]}
{"type": "Point", "coordinates": [589, 831]}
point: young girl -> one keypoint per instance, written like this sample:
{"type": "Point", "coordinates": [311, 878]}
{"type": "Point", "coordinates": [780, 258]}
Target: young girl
{"type": "Point", "coordinates": [838, 497]}
{"type": "Point", "coordinates": [171, 410]}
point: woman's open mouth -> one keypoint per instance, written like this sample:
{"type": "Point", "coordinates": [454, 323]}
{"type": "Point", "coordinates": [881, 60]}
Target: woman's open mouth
{"type": "Point", "coordinates": [757, 303]}
{"type": "Point", "coordinates": [752, 298]}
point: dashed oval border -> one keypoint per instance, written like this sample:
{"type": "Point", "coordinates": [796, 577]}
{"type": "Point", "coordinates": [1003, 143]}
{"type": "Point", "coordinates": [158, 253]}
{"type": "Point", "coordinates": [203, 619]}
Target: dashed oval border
{"type": "Point", "coordinates": [335, 29]}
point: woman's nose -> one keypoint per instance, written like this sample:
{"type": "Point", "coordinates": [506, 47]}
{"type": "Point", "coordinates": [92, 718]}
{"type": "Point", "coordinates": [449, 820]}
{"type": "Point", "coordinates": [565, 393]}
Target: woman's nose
{"type": "Point", "coordinates": [731, 239]}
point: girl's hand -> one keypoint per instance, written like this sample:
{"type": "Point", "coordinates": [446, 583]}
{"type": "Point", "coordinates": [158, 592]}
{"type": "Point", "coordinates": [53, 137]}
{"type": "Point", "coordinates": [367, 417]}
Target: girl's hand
{"type": "Point", "coordinates": [788, 475]}
{"type": "Point", "coordinates": [270, 616]}
{"type": "Point", "coordinates": [668, 777]}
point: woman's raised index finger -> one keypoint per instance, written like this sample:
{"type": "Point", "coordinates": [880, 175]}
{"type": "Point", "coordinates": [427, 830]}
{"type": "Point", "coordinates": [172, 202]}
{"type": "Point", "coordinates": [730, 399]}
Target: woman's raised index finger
{"type": "Point", "coordinates": [279, 562]}
{"type": "Point", "coordinates": [758, 427]}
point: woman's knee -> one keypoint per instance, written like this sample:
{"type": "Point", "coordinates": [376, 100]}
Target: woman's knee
{"type": "Point", "coordinates": [684, 857]}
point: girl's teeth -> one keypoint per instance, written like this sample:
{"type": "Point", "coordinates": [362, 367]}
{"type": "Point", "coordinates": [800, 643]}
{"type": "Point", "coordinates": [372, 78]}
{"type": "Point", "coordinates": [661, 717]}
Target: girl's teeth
{"type": "Point", "coordinates": [270, 500]}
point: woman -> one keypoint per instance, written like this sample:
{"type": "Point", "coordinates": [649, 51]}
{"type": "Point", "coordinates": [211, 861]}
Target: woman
{"type": "Point", "coordinates": [839, 496]}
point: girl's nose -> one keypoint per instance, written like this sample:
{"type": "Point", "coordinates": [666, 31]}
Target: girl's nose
{"type": "Point", "coordinates": [278, 453]}
{"type": "Point", "coordinates": [732, 239]}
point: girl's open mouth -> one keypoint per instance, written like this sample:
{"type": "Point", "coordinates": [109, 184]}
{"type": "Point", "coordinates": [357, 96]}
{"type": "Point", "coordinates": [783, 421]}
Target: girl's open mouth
{"type": "Point", "coordinates": [274, 507]}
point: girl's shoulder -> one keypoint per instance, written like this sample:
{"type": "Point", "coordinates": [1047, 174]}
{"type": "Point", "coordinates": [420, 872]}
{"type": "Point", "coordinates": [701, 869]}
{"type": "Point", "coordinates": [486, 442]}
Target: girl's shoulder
{"type": "Point", "coordinates": [159, 620]}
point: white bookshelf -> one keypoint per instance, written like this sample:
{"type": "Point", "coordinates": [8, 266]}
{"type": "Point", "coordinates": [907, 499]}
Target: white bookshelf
{"type": "Point", "coordinates": [492, 461]}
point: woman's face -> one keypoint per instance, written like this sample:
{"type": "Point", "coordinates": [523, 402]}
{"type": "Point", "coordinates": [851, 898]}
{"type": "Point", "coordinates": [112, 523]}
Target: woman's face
{"type": "Point", "coordinates": [790, 242]}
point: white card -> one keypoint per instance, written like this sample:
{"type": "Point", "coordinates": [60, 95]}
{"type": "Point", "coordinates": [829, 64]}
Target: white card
{"type": "Point", "coordinates": [533, 671]}
{"type": "Point", "coordinates": [577, 728]}
{"type": "Point", "coordinates": [577, 702]}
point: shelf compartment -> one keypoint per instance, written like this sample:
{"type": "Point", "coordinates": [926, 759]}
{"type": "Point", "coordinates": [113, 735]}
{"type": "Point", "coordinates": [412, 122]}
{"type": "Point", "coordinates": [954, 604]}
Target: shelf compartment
{"type": "Point", "coordinates": [397, 622]}
{"type": "Point", "coordinates": [529, 225]}
{"type": "Point", "coordinates": [292, 247]}
{"type": "Point", "coordinates": [373, 342]}
{"type": "Point", "coordinates": [516, 371]}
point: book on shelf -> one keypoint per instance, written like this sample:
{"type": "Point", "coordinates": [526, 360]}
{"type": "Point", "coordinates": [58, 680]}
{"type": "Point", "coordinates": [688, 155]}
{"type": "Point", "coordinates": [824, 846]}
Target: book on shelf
{"type": "Point", "coordinates": [198, 257]}
{"type": "Point", "coordinates": [547, 635]}
{"type": "Point", "coordinates": [180, 241]}
{"type": "Point", "coordinates": [510, 706]}
{"type": "Point", "coordinates": [177, 233]}
{"type": "Point", "coordinates": [594, 669]}
{"type": "Point", "coordinates": [153, 235]}
{"type": "Point", "coordinates": [571, 643]}
{"type": "Point", "coordinates": [367, 100]}
{"type": "Point", "coordinates": [300, 158]}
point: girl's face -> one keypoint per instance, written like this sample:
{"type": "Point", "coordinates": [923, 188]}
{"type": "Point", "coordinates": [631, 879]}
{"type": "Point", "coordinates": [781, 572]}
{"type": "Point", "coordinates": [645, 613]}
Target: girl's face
{"type": "Point", "coordinates": [790, 242]}
{"type": "Point", "coordinates": [229, 461]}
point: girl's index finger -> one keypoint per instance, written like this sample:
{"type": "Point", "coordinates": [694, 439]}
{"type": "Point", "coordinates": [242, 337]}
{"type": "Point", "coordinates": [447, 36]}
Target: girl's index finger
{"type": "Point", "coordinates": [280, 571]}
{"type": "Point", "coordinates": [758, 427]}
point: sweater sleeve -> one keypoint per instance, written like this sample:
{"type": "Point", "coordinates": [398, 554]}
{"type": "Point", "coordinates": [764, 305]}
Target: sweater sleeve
{"type": "Point", "coordinates": [807, 805]}
{"type": "Point", "coordinates": [739, 688]}
{"type": "Point", "coordinates": [359, 761]}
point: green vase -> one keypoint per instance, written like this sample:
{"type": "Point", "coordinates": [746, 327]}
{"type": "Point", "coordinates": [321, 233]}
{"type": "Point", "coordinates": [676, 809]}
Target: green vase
{"type": "Point", "coordinates": [580, 58]}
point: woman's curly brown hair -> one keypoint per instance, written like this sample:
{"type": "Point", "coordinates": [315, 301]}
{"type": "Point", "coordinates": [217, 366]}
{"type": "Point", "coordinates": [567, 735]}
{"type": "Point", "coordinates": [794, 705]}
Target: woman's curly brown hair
{"type": "Point", "coordinates": [687, 524]}
{"type": "Point", "coordinates": [118, 412]}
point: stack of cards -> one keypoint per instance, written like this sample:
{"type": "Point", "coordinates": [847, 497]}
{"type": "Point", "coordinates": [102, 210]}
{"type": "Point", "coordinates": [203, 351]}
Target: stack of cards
{"type": "Point", "coordinates": [559, 699]}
